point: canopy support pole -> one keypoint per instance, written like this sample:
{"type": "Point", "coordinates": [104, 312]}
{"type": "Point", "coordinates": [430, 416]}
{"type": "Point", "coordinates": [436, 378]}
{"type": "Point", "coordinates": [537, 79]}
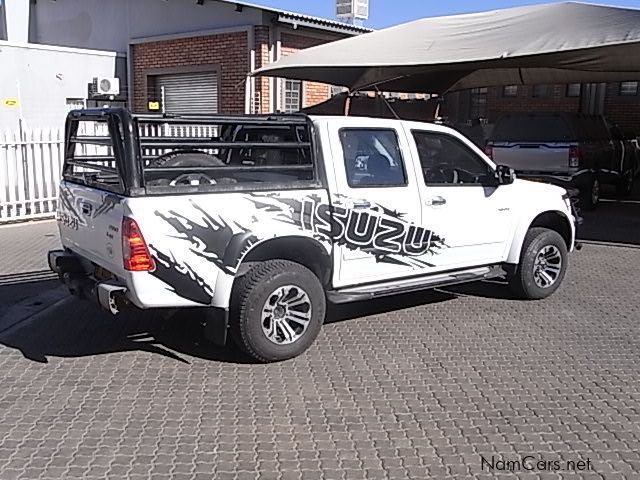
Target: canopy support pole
{"type": "Point", "coordinates": [386, 102]}
{"type": "Point", "coordinates": [347, 103]}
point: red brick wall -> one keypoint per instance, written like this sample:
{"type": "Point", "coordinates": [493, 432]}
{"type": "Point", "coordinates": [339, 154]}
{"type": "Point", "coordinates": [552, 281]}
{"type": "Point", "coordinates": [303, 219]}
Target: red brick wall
{"type": "Point", "coordinates": [555, 101]}
{"type": "Point", "coordinates": [229, 51]}
{"type": "Point", "coordinates": [313, 92]}
{"type": "Point", "coordinates": [622, 110]}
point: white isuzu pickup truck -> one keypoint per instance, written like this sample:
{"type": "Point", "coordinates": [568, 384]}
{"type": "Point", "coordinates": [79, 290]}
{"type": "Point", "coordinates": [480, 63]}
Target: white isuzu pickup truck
{"type": "Point", "coordinates": [267, 218]}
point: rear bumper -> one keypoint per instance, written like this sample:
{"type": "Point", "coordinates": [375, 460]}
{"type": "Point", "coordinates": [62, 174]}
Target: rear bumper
{"type": "Point", "coordinates": [76, 275]}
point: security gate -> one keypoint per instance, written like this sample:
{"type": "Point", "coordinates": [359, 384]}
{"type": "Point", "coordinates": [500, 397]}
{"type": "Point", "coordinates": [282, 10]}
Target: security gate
{"type": "Point", "coordinates": [189, 92]}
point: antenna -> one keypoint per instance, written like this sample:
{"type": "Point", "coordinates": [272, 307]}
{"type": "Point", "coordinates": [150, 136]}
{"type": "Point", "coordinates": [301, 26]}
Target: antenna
{"type": "Point", "coordinates": [354, 12]}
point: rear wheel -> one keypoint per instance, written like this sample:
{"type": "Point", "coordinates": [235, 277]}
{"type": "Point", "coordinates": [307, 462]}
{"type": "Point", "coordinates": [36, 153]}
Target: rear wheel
{"type": "Point", "coordinates": [591, 194]}
{"type": "Point", "coordinates": [543, 264]}
{"type": "Point", "coordinates": [278, 308]}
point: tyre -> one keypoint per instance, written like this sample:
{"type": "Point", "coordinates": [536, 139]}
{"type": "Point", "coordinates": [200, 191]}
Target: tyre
{"type": "Point", "coordinates": [624, 188]}
{"type": "Point", "coordinates": [277, 310]}
{"type": "Point", "coordinates": [591, 195]}
{"type": "Point", "coordinates": [543, 264]}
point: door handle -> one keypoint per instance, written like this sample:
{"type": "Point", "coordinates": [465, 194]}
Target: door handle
{"type": "Point", "coordinates": [437, 201]}
{"type": "Point", "coordinates": [361, 205]}
{"type": "Point", "coordinates": [86, 208]}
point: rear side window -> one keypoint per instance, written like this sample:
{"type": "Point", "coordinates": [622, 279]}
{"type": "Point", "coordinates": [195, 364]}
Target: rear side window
{"type": "Point", "coordinates": [372, 158]}
{"type": "Point", "coordinates": [532, 128]}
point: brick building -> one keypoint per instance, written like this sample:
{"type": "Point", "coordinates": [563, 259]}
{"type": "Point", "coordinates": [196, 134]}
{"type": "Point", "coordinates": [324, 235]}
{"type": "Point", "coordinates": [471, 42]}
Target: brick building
{"type": "Point", "coordinates": [180, 55]}
{"type": "Point", "coordinates": [207, 70]}
{"type": "Point", "coordinates": [619, 101]}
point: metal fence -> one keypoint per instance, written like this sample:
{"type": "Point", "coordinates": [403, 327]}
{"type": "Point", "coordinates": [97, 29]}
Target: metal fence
{"type": "Point", "coordinates": [31, 166]}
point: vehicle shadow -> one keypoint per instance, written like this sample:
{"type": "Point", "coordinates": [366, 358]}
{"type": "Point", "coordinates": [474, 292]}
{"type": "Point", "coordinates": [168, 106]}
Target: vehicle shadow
{"type": "Point", "coordinates": [75, 328]}
{"type": "Point", "coordinates": [17, 287]}
{"type": "Point", "coordinates": [497, 289]}
{"type": "Point", "coordinates": [615, 220]}
{"type": "Point", "coordinates": [349, 311]}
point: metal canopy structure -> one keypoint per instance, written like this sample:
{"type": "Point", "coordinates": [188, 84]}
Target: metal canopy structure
{"type": "Point", "coordinates": [550, 43]}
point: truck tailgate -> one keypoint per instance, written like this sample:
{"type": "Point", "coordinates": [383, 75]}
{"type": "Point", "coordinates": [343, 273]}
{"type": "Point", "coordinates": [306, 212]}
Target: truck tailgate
{"type": "Point", "coordinates": [90, 221]}
{"type": "Point", "coordinates": [532, 157]}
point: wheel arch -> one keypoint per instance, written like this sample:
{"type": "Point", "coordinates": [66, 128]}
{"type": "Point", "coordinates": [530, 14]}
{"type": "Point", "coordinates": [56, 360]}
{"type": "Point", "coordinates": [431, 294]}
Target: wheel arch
{"type": "Point", "coordinates": [551, 219]}
{"type": "Point", "coordinates": [296, 248]}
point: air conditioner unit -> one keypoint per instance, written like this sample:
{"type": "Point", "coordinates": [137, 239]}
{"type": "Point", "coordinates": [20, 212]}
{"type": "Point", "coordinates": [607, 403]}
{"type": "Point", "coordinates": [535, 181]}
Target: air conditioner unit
{"type": "Point", "coordinates": [107, 86]}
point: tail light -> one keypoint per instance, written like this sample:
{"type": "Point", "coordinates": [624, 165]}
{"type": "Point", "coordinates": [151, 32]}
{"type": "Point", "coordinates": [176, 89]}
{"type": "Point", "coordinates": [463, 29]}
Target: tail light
{"type": "Point", "coordinates": [574, 156]}
{"type": "Point", "coordinates": [488, 150]}
{"type": "Point", "coordinates": [135, 252]}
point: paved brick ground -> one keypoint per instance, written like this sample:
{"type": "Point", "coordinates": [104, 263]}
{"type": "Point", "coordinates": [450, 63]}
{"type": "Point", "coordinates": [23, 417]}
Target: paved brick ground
{"type": "Point", "coordinates": [23, 263]}
{"type": "Point", "coordinates": [417, 386]}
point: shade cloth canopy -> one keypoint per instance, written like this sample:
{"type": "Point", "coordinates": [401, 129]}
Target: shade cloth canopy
{"type": "Point", "coordinates": [550, 43]}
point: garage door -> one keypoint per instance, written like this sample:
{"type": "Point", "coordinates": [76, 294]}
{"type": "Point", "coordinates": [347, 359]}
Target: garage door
{"type": "Point", "coordinates": [189, 92]}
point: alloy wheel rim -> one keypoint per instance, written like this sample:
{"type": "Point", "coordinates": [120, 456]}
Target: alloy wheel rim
{"type": "Point", "coordinates": [547, 266]}
{"type": "Point", "coordinates": [286, 314]}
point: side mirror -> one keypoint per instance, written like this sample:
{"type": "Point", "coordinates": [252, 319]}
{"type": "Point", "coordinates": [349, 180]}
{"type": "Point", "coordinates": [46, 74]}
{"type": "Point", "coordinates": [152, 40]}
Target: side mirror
{"type": "Point", "coordinates": [505, 175]}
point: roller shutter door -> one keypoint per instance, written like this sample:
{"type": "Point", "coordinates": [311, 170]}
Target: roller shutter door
{"type": "Point", "coordinates": [189, 92]}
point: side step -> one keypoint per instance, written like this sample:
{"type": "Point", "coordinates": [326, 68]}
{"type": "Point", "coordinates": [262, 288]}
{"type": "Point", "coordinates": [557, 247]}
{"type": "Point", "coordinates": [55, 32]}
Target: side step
{"type": "Point", "coordinates": [374, 290]}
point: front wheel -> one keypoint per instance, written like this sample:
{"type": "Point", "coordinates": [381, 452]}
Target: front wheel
{"type": "Point", "coordinates": [278, 308]}
{"type": "Point", "coordinates": [543, 264]}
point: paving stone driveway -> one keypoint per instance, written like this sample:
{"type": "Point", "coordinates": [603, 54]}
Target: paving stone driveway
{"type": "Point", "coordinates": [418, 386]}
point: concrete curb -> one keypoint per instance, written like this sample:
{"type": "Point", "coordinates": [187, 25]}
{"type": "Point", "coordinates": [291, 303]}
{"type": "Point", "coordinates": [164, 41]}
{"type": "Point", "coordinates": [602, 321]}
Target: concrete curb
{"type": "Point", "coordinates": [22, 312]}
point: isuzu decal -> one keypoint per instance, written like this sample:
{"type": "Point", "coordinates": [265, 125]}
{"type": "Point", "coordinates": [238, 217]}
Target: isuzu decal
{"type": "Point", "coordinates": [377, 230]}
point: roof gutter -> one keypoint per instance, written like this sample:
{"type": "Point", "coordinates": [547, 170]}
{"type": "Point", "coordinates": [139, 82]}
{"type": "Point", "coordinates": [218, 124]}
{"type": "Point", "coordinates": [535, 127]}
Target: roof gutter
{"type": "Point", "coordinates": [295, 22]}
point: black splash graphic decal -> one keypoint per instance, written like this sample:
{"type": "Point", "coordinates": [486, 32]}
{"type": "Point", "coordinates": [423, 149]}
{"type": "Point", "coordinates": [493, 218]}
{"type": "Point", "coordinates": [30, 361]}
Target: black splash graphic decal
{"type": "Point", "coordinates": [69, 203]}
{"type": "Point", "coordinates": [215, 241]}
{"type": "Point", "coordinates": [181, 277]}
{"type": "Point", "coordinates": [109, 202]}
{"type": "Point", "coordinates": [378, 231]}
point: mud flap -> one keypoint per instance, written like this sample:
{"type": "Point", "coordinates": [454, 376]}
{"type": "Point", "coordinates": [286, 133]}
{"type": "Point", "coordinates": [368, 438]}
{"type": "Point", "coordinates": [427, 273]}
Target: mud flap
{"type": "Point", "coordinates": [216, 322]}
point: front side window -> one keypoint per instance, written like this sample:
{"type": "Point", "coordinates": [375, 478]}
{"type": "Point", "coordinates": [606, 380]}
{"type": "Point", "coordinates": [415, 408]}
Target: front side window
{"type": "Point", "coordinates": [445, 160]}
{"type": "Point", "coordinates": [372, 158]}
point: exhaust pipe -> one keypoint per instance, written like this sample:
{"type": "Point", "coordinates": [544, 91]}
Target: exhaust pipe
{"type": "Point", "coordinates": [111, 297]}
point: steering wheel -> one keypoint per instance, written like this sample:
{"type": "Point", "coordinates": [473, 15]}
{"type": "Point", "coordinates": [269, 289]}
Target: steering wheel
{"type": "Point", "coordinates": [442, 173]}
{"type": "Point", "coordinates": [192, 179]}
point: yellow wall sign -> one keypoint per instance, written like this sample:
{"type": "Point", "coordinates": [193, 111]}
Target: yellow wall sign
{"type": "Point", "coordinates": [10, 102]}
{"type": "Point", "coordinates": [154, 105]}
